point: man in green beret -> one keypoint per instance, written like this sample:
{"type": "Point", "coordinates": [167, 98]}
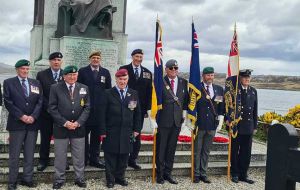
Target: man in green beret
{"type": "Point", "coordinates": [23, 99]}
{"type": "Point", "coordinates": [69, 105]}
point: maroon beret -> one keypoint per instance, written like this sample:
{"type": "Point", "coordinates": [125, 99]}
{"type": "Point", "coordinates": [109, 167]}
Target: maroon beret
{"type": "Point", "coordinates": [121, 73]}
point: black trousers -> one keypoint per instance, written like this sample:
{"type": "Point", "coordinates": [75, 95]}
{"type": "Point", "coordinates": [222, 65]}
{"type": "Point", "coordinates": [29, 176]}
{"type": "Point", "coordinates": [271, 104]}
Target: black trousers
{"type": "Point", "coordinates": [136, 146]}
{"type": "Point", "coordinates": [115, 166]}
{"type": "Point", "coordinates": [166, 147]}
{"type": "Point", "coordinates": [241, 155]}
{"type": "Point", "coordinates": [92, 143]}
{"type": "Point", "coordinates": [46, 128]}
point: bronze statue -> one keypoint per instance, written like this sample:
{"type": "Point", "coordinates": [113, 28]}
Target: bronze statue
{"type": "Point", "coordinates": [88, 18]}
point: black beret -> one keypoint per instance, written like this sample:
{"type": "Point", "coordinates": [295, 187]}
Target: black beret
{"type": "Point", "coordinates": [208, 70]}
{"type": "Point", "coordinates": [22, 62]}
{"type": "Point", "coordinates": [70, 69]}
{"type": "Point", "coordinates": [55, 55]}
{"type": "Point", "coordinates": [245, 72]}
{"type": "Point", "coordinates": [137, 51]}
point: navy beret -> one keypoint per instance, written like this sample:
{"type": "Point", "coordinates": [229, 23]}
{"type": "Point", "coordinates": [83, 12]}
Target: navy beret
{"type": "Point", "coordinates": [137, 51]}
{"type": "Point", "coordinates": [245, 72]}
{"type": "Point", "coordinates": [55, 55]}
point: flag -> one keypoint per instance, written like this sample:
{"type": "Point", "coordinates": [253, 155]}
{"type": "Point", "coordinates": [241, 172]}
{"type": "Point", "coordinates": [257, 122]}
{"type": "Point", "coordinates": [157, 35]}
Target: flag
{"type": "Point", "coordinates": [194, 80]}
{"type": "Point", "coordinates": [232, 97]}
{"type": "Point", "coordinates": [157, 85]}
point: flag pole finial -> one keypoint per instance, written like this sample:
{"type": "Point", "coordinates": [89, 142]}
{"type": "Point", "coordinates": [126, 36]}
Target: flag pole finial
{"type": "Point", "coordinates": [234, 26]}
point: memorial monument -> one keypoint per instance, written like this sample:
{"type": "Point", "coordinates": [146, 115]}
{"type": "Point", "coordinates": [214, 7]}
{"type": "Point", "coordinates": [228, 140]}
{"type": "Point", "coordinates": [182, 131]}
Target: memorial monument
{"type": "Point", "coordinates": [77, 27]}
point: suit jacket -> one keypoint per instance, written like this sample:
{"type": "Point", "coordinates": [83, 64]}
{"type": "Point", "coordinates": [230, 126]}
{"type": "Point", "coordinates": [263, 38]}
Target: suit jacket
{"type": "Point", "coordinates": [121, 119]}
{"type": "Point", "coordinates": [171, 112]}
{"type": "Point", "coordinates": [206, 112]}
{"type": "Point", "coordinates": [248, 124]}
{"type": "Point", "coordinates": [143, 85]}
{"type": "Point", "coordinates": [46, 80]}
{"type": "Point", "coordinates": [96, 89]}
{"type": "Point", "coordinates": [18, 104]}
{"type": "Point", "coordinates": [62, 108]}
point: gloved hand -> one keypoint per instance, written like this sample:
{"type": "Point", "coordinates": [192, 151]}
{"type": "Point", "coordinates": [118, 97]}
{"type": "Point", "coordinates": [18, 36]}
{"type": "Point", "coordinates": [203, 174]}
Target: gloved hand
{"type": "Point", "coordinates": [153, 123]}
{"type": "Point", "coordinates": [221, 120]}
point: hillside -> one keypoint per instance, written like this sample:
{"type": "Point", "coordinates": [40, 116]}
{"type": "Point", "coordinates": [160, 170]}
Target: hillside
{"type": "Point", "coordinates": [6, 68]}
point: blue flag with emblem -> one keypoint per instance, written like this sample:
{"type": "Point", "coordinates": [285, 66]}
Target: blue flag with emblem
{"type": "Point", "coordinates": [195, 78]}
{"type": "Point", "coordinates": [157, 85]}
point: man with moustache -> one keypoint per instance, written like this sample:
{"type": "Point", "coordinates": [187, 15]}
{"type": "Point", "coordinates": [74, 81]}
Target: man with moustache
{"type": "Point", "coordinates": [47, 77]}
{"type": "Point", "coordinates": [241, 145]}
{"type": "Point", "coordinates": [121, 125]}
{"type": "Point", "coordinates": [23, 99]}
{"type": "Point", "coordinates": [98, 79]}
{"type": "Point", "coordinates": [170, 120]}
{"type": "Point", "coordinates": [210, 117]}
{"type": "Point", "coordinates": [140, 79]}
{"type": "Point", "coordinates": [69, 106]}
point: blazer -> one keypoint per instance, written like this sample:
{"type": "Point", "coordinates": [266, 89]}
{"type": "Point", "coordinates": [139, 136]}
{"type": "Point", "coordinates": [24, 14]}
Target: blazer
{"type": "Point", "coordinates": [18, 104]}
{"type": "Point", "coordinates": [143, 85]}
{"type": "Point", "coordinates": [207, 111]}
{"type": "Point", "coordinates": [46, 80]}
{"type": "Point", "coordinates": [171, 112]}
{"type": "Point", "coordinates": [121, 119]}
{"type": "Point", "coordinates": [96, 89]}
{"type": "Point", "coordinates": [62, 108]}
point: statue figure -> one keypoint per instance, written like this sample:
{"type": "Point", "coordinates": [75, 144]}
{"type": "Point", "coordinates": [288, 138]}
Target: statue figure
{"type": "Point", "coordinates": [88, 18]}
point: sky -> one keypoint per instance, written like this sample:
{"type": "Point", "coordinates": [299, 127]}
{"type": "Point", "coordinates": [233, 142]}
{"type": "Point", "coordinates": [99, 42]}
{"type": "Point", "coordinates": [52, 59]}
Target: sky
{"type": "Point", "coordinates": [268, 32]}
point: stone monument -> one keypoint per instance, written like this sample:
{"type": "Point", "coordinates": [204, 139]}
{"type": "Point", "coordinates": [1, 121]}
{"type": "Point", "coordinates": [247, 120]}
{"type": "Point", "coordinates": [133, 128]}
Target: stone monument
{"type": "Point", "coordinates": [77, 27]}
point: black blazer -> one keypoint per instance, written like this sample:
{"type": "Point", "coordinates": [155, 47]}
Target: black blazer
{"type": "Point", "coordinates": [143, 85]}
{"type": "Point", "coordinates": [62, 108]}
{"type": "Point", "coordinates": [206, 117]}
{"type": "Point", "coordinates": [18, 104]}
{"type": "Point", "coordinates": [121, 119]}
{"type": "Point", "coordinates": [46, 80]}
{"type": "Point", "coordinates": [96, 89]}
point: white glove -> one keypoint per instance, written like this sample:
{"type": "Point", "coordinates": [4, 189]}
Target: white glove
{"type": "Point", "coordinates": [153, 123]}
{"type": "Point", "coordinates": [189, 125]}
{"type": "Point", "coordinates": [221, 120]}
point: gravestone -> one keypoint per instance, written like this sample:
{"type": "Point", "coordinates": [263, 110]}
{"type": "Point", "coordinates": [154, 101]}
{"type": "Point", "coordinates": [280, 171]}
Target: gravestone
{"type": "Point", "coordinates": [48, 33]}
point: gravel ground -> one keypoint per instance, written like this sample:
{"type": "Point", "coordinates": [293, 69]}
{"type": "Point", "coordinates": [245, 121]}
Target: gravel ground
{"type": "Point", "coordinates": [218, 182]}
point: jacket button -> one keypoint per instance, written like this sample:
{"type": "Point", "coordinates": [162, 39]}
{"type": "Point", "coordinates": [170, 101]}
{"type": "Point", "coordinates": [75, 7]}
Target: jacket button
{"type": "Point", "coordinates": [72, 102]}
{"type": "Point", "coordinates": [249, 113]}
{"type": "Point", "coordinates": [250, 108]}
{"type": "Point", "coordinates": [248, 119]}
{"type": "Point", "coordinates": [73, 111]}
{"type": "Point", "coordinates": [27, 104]}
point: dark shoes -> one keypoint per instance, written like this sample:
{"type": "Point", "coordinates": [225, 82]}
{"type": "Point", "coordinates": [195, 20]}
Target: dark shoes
{"type": "Point", "coordinates": [204, 179]}
{"type": "Point", "coordinates": [196, 179]}
{"type": "Point", "coordinates": [234, 179]}
{"type": "Point", "coordinates": [170, 179]}
{"type": "Point", "coordinates": [245, 179]}
{"type": "Point", "coordinates": [160, 180]}
{"type": "Point", "coordinates": [134, 165]}
{"type": "Point", "coordinates": [57, 185]}
{"type": "Point", "coordinates": [99, 164]}
{"type": "Point", "coordinates": [41, 167]}
{"type": "Point", "coordinates": [122, 182]}
{"type": "Point", "coordinates": [80, 183]}
{"type": "Point", "coordinates": [12, 186]}
{"type": "Point", "coordinates": [110, 185]}
{"type": "Point", "coordinates": [29, 184]}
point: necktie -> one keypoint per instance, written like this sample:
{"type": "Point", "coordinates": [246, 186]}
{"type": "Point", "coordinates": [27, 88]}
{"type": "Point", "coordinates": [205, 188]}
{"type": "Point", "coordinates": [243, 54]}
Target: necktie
{"type": "Point", "coordinates": [71, 91]}
{"type": "Point", "coordinates": [55, 76]}
{"type": "Point", "coordinates": [122, 95]}
{"type": "Point", "coordinates": [136, 73]}
{"type": "Point", "coordinates": [207, 90]}
{"type": "Point", "coordinates": [95, 74]}
{"type": "Point", "coordinates": [172, 85]}
{"type": "Point", "coordinates": [24, 87]}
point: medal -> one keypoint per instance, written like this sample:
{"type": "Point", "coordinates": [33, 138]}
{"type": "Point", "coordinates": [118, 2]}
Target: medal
{"type": "Point", "coordinates": [167, 87]}
{"type": "Point", "coordinates": [176, 98]}
{"type": "Point", "coordinates": [82, 102]}
{"type": "Point", "coordinates": [207, 97]}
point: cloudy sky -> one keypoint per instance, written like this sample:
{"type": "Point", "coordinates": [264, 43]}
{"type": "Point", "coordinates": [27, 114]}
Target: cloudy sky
{"type": "Point", "coordinates": [268, 32]}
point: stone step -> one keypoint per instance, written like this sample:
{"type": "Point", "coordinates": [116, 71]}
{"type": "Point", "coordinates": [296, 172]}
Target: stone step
{"type": "Point", "coordinates": [145, 146]}
{"type": "Point", "coordinates": [145, 157]}
{"type": "Point", "coordinates": [180, 169]}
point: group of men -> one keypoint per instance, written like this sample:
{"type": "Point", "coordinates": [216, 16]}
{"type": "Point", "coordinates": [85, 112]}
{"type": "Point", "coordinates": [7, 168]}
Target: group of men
{"type": "Point", "coordinates": [81, 108]}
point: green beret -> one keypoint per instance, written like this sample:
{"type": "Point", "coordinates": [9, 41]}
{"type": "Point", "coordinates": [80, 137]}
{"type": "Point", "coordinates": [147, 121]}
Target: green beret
{"type": "Point", "coordinates": [22, 62]}
{"type": "Point", "coordinates": [70, 69]}
{"type": "Point", "coordinates": [208, 70]}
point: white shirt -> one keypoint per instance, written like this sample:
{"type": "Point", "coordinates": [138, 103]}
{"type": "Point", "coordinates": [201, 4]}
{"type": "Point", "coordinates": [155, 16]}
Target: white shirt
{"type": "Point", "coordinates": [210, 89]}
{"type": "Point", "coordinates": [124, 93]}
{"type": "Point", "coordinates": [93, 68]}
{"type": "Point", "coordinates": [53, 74]}
{"type": "Point", "coordinates": [175, 84]}
{"type": "Point", "coordinates": [73, 86]}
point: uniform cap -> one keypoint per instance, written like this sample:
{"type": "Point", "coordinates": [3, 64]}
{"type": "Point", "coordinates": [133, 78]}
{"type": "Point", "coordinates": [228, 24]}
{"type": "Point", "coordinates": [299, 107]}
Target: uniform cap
{"type": "Point", "coordinates": [121, 73]}
{"type": "Point", "coordinates": [171, 63]}
{"type": "Point", "coordinates": [22, 62]}
{"type": "Point", "coordinates": [55, 55]}
{"type": "Point", "coordinates": [70, 69]}
{"type": "Point", "coordinates": [137, 51]}
{"type": "Point", "coordinates": [208, 70]}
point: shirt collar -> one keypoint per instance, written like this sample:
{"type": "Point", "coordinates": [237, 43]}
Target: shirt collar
{"type": "Point", "coordinates": [94, 68]}
{"type": "Point", "coordinates": [53, 72]}
{"type": "Point", "coordinates": [125, 89]}
{"type": "Point", "coordinates": [20, 79]}
{"type": "Point", "coordinates": [209, 85]}
{"type": "Point", "coordinates": [133, 66]}
{"type": "Point", "coordinates": [68, 85]}
{"type": "Point", "coordinates": [175, 79]}
{"type": "Point", "coordinates": [244, 88]}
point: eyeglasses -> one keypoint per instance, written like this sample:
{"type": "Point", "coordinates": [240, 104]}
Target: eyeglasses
{"type": "Point", "coordinates": [173, 68]}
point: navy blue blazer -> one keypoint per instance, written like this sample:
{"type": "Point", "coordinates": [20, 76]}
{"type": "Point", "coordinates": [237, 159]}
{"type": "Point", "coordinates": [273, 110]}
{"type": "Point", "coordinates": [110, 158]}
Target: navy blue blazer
{"type": "Point", "coordinates": [18, 104]}
{"type": "Point", "coordinates": [206, 112]}
{"type": "Point", "coordinates": [96, 89]}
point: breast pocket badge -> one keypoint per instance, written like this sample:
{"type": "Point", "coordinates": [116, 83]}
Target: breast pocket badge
{"type": "Point", "coordinates": [35, 89]}
{"type": "Point", "coordinates": [132, 104]}
{"type": "Point", "coordinates": [82, 91]}
{"type": "Point", "coordinates": [218, 99]}
{"type": "Point", "coordinates": [102, 79]}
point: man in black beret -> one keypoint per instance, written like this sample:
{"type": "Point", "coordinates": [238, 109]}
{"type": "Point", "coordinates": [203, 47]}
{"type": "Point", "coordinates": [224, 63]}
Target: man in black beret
{"type": "Point", "coordinates": [23, 99]}
{"type": "Point", "coordinates": [140, 79]}
{"type": "Point", "coordinates": [98, 79]}
{"type": "Point", "coordinates": [47, 77]}
{"type": "Point", "coordinates": [242, 144]}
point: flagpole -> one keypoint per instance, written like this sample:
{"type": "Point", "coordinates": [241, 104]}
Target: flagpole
{"type": "Point", "coordinates": [154, 156]}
